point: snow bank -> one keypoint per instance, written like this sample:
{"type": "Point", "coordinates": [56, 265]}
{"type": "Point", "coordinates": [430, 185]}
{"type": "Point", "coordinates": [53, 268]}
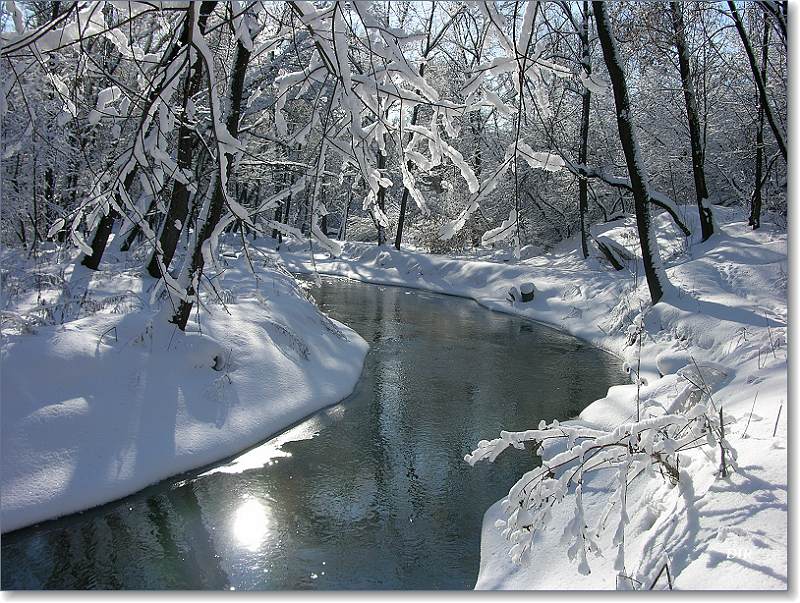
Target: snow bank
{"type": "Point", "coordinates": [104, 405]}
{"type": "Point", "coordinates": [727, 316]}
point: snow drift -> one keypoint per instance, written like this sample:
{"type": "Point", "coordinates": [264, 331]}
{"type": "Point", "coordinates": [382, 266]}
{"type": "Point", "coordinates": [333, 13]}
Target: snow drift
{"type": "Point", "coordinates": [116, 399]}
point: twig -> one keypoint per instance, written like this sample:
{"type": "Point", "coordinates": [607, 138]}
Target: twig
{"type": "Point", "coordinates": [778, 418]}
{"type": "Point", "coordinates": [723, 470]}
{"type": "Point", "coordinates": [114, 328]}
{"type": "Point", "coordinates": [669, 577]}
{"type": "Point", "coordinates": [744, 433]}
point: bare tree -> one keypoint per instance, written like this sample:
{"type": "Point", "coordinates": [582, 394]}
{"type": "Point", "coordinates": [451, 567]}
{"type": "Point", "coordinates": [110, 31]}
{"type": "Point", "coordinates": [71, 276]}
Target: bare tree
{"type": "Point", "coordinates": [759, 77]}
{"type": "Point", "coordinates": [586, 104]}
{"type": "Point", "coordinates": [653, 270]}
{"type": "Point", "coordinates": [755, 205]}
{"type": "Point", "coordinates": [695, 132]}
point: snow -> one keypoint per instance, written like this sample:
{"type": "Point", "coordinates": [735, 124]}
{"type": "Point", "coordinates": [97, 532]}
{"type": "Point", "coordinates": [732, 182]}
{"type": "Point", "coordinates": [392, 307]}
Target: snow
{"type": "Point", "coordinates": [105, 97]}
{"type": "Point", "coordinates": [594, 83]}
{"type": "Point", "coordinates": [505, 231]}
{"type": "Point", "coordinates": [115, 400]}
{"type": "Point", "coordinates": [725, 320]}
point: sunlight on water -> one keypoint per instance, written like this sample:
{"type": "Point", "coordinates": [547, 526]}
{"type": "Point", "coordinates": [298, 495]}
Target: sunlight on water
{"type": "Point", "coordinates": [261, 456]}
{"type": "Point", "coordinates": [250, 523]}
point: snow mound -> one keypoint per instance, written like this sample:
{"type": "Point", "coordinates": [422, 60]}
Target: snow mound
{"type": "Point", "coordinates": [104, 405]}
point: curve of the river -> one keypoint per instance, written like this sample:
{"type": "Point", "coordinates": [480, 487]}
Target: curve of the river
{"type": "Point", "coordinates": [372, 493]}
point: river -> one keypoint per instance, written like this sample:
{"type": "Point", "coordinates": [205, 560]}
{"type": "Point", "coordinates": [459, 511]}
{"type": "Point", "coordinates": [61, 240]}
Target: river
{"type": "Point", "coordinates": [372, 493]}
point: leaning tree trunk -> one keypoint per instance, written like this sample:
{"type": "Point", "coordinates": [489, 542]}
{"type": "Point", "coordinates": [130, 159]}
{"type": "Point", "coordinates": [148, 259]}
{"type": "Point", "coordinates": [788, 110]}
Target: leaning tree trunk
{"type": "Point", "coordinates": [695, 133]}
{"type": "Point", "coordinates": [654, 272]}
{"type": "Point", "coordinates": [217, 203]}
{"type": "Point", "coordinates": [583, 152]}
{"type": "Point", "coordinates": [164, 250]}
{"type": "Point", "coordinates": [755, 208]}
{"type": "Point", "coordinates": [759, 77]}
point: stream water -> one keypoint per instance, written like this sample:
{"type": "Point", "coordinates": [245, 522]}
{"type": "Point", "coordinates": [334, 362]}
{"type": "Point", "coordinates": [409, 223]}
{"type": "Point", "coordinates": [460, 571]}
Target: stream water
{"type": "Point", "coordinates": [372, 493]}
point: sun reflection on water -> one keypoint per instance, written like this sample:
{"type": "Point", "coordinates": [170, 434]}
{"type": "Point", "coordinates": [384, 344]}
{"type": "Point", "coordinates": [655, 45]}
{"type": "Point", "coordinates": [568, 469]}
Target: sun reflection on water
{"type": "Point", "coordinates": [250, 522]}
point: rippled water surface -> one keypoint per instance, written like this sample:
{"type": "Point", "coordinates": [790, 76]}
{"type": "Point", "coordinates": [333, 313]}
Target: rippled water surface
{"type": "Point", "coordinates": [370, 493]}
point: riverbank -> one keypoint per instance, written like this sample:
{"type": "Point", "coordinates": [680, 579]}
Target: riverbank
{"type": "Point", "coordinates": [727, 314]}
{"type": "Point", "coordinates": [114, 399]}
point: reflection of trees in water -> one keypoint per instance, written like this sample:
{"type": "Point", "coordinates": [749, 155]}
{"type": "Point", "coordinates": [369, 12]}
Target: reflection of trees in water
{"type": "Point", "coordinates": [204, 569]}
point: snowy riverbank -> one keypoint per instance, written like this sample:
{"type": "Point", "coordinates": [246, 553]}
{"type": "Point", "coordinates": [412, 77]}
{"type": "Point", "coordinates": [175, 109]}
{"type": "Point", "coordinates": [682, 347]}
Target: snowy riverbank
{"type": "Point", "coordinates": [727, 316]}
{"type": "Point", "coordinates": [115, 399]}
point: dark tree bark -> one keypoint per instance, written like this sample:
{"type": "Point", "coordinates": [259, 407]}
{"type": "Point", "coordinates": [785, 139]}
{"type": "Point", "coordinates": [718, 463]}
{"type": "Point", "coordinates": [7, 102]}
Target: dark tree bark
{"type": "Point", "coordinates": [343, 225]}
{"type": "Point", "coordinates": [288, 209]}
{"type": "Point", "coordinates": [654, 273]}
{"type": "Point", "coordinates": [276, 217]}
{"type": "Point", "coordinates": [401, 219]}
{"type": "Point", "coordinates": [758, 76]}
{"type": "Point", "coordinates": [695, 132]}
{"type": "Point", "coordinates": [755, 207]}
{"type": "Point", "coordinates": [103, 231]}
{"type": "Point", "coordinates": [135, 229]}
{"type": "Point", "coordinates": [381, 201]}
{"type": "Point", "coordinates": [175, 221]}
{"type": "Point", "coordinates": [583, 152]}
{"type": "Point", "coordinates": [181, 316]}
{"type": "Point", "coordinates": [777, 11]}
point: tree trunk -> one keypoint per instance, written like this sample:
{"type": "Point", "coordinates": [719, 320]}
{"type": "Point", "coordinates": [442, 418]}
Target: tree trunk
{"type": "Point", "coordinates": [755, 208]}
{"type": "Point", "coordinates": [758, 75]}
{"type": "Point", "coordinates": [276, 217]}
{"type": "Point", "coordinates": [288, 208]}
{"type": "Point", "coordinates": [695, 133]}
{"type": "Point", "coordinates": [103, 231]}
{"type": "Point", "coordinates": [343, 225]}
{"type": "Point", "coordinates": [381, 201]}
{"type": "Point", "coordinates": [100, 240]}
{"type": "Point", "coordinates": [181, 316]}
{"type": "Point", "coordinates": [175, 221]}
{"type": "Point", "coordinates": [401, 219]}
{"type": "Point", "coordinates": [654, 272]}
{"type": "Point", "coordinates": [136, 229]}
{"type": "Point", "coordinates": [583, 152]}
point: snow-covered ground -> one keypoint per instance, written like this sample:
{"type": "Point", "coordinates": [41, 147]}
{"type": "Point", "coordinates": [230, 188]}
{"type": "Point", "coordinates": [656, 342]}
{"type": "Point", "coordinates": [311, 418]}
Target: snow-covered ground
{"type": "Point", "coordinates": [114, 399]}
{"type": "Point", "coordinates": [726, 317]}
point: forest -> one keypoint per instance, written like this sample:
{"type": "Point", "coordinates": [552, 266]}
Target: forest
{"type": "Point", "coordinates": [178, 178]}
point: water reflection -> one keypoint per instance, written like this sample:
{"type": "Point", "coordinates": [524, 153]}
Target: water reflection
{"type": "Point", "coordinates": [250, 524]}
{"type": "Point", "coordinates": [370, 493]}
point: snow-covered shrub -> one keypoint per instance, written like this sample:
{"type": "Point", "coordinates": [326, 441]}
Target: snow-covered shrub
{"type": "Point", "coordinates": [650, 448]}
{"type": "Point", "coordinates": [426, 236]}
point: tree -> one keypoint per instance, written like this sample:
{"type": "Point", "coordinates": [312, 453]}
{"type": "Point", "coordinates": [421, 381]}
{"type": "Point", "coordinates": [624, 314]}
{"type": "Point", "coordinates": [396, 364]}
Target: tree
{"type": "Point", "coordinates": [695, 133]}
{"type": "Point", "coordinates": [178, 210]}
{"type": "Point", "coordinates": [755, 207]}
{"type": "Point", "coordinates": [759, 77]}
{"type": "Point", "coordinates": [586, 104]}
{"type": "Point", "coordinates": [431, 42]}
{"type": "Point", "coordinates": [653, 270]}
{"type": "Point", "coordinates": [213, 212]}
